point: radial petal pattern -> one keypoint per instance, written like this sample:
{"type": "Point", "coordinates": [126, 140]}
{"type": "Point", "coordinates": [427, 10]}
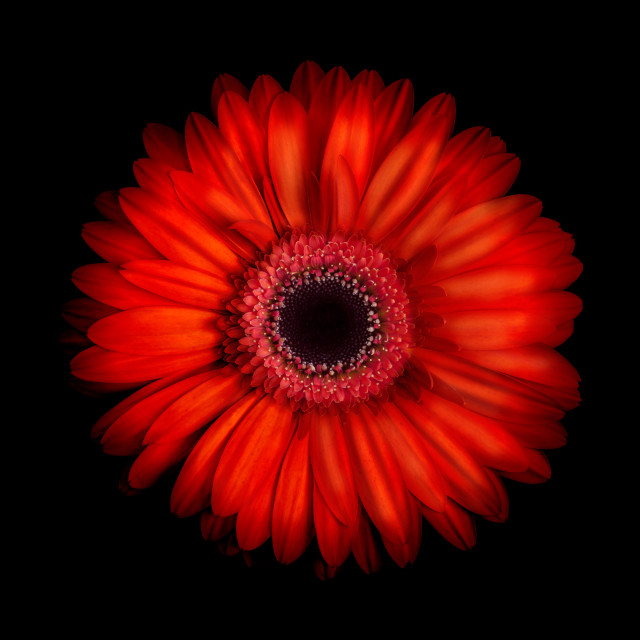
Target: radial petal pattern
{"type": "Point", "coordinates": [331, 319]}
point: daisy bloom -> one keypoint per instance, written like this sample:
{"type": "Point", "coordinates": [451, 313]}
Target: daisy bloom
{"type": "Point", "coordinates": [327, 316]}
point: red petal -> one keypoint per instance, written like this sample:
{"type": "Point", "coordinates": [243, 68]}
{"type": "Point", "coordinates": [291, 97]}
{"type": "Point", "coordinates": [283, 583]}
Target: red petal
{"type": "Point", "coordinates": [331, 466]}
{"type": "Point", "coordinates": [292, 527]}
{"type": "Point", "coordinates": [245, 133]}
{"type": "Point", "coordinates": [166, 145]}
{"type": "Point", "coordinates": [186, 237]}
{"type": "Point", "coordinates": [198, 407]}
{"type": "Point", "coordinates": [403, 177]}
{"type": "Point", "coordinates": [487, 392]}
{"type": "Point", "coordinates": [456, 525]}
{"type": "Point", "coordinates": [255, 450]}
{"type": "Point", "coordinates": [393, 111]}
{"type": "Point", "coordinates": [305, 82]}
{"type": "Point", "coordinates": [378, 476]}
{"type": "Point", "coordinates": [263, 93]}
{"type": "Point", "coordinates": [192, 489]}
{"type": "Point", "coordinates": [480, 230]}
{"type": "Point", "coordinates": [179, 283]}
{"type": "Point", "coordinates": [466, 481]}
{"type": "Point", "coordinates": [117, 243]}
{"type": "Point", "coordinates": [254, 522]}
{"type": "Point", "coordinates": [126, 434]}
{"type": "Point", "coordinates": [158, 331]}
{"type": "Point", "coordinates": [352, 137]}
{"type": "Point", "coordinates": [226, 82]}
{"type": "Point", "coordinates": [322, 111]}
{"type": "Point", "coordinates": [103, 282]}
{"type": "Point", "coordinates": [418, 470]}
{"type": "Point", "coordinates": [108, 204]}
{"type": "Point", "coordinates": [100, 365]}
{"type": "Point", "coordinates": [213, 159]}
{"type": "Point", "coordinates": [538, 471]}
{"type": "Point", "coordinates": [334, 537]}
{"type": "Point", "coordinates": [488, 441]}
{"type": "Point", "coordinates": [289, 157]}
{"type": "Point", "coordinates": [407, 553]}
{"type": "Point", "coordinates": [81, 313]}
{"type": "Point", "coordinates": [491, 178]}
{"type": "Point", "coordinates": [344, 197]}
{"type": "Point", "coordinates": [365, 550]}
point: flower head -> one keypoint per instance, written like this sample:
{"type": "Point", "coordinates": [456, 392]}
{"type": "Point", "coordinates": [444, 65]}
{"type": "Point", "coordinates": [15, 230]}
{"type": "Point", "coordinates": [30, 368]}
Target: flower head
{"type": "Point", "coordinates": [330, 317]}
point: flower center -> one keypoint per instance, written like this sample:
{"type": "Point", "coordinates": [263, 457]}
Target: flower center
{"type": "Point", "coordinates": [325, 321]}
{"type": "Point", "coordinates": [320, 321]}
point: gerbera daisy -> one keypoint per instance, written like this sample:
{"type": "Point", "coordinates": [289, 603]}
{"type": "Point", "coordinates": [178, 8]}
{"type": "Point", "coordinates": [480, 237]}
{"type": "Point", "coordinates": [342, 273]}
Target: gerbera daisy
{"type": "Point", "coordinates": [330, 317]}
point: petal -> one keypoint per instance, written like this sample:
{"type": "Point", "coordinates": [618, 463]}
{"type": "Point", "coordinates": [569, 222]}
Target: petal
{"type": "Point", "coordinates": [254, 522]}
{"type": "Point", "coordinates": [393, 111]}
{"type": "Point", "coordinates": [255, 450]}
{"type": "Point", "coordinates": [185, 237]}
{"type": "Point", "coordinates": [166, 145]}
{"type": "Point", "coordinates": [226, 82]}
{"type": "Point", "coordinates": [323, 108]}
{"type": "Point", "coordinates": [213, 159]}
{"type": "Point", "coordinates": [456, 525]}
{"type": "Point", "coordinates": [352, 137]}
{"type": "Point", "coordinates": [263, 93]}
{"type": "Point", "coordinates": [126, 434]}
{"type": "Point", "coordinates": [103, 282]}
{"type": "Point", "coordinates": [365, 550]}
{"type": "Point", "coordinates": [117, 243]}
{"type": "Point", "coordinates": [488, 441]}
{"type": "Point", "coordinates": [334, 537]}
{"type": "Point", "coordinates": [491, 178]}
{"type": "Point", "coordinates": [465, 479]}
{"type": "Point", "coordinates": [331, 466]}
{"type": "Point", "coordinates": [418, 470]}
{"type": "Point", "coordinates": [476, 232]}
{"type": "Point", "coordinates": [403, 177]}
{"type": "Point", "coordinates": [378, 476]}
{"type": "Point", "coordinates": [179, 283]}
{"type": "Point", "coordinates": [81, 313]}
{"type": "Point", "coordinates": [198, 406]}
{"type": "Point", "coordinates": [292, 527]}
{"type": "Point", "coordinates": [192, 489]}
{"type": "Point", "coordinates": [305, 82]}
{"type": "Point", "coordinates": [487, 392]}
{"type": "Point", "coordinates": [245, 133]}
{"type": "Point", "coordinates": [289, 157]}
{"type": "Point", "coordinates": [101, 365]}
{"type": "Point", "coordinates": [158, 331]}
{"type": "Point", "coordinates": [108, 204]}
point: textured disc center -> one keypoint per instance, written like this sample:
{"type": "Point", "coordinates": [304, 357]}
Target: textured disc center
{"type": "Point", "coordinates": [324, 323]}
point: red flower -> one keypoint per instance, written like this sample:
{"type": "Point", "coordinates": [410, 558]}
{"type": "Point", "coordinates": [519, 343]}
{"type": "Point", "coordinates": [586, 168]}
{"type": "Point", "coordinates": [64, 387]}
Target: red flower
{"type": "Point", "coordinates": [334, 318]}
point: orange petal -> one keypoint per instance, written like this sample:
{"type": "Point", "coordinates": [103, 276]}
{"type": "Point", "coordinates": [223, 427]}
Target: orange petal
{"type": "Point", "coordinates": [158, 331]}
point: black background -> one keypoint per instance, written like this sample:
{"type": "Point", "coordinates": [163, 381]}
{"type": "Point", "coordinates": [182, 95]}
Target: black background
{"type": "Point", "coordinates": [112, 556]}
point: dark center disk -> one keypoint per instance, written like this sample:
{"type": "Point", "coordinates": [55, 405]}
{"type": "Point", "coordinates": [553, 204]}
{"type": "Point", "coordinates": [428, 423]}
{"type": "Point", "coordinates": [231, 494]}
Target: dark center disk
{"type": "Point", "coordinates": [324, 323]}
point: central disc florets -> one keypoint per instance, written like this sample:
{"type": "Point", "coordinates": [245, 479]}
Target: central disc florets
{"type": "Point", "coordinates": [320, 321]}
{"type": "Point", "coordinates": [328, 322]}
